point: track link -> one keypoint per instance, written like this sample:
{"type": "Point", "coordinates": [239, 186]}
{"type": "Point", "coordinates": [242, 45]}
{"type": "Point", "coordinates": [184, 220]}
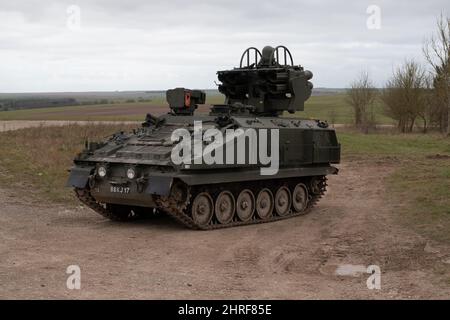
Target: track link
{"type": "Point", "coordinates": [112, 213]}
{"type": "Point", "coordinates": [180, 210]}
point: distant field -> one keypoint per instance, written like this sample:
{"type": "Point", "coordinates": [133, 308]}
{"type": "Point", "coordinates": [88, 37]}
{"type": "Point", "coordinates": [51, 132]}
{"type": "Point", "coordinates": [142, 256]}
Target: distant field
{"type": "Point", "coordinates": [100, 112]}
{"type": "Point", "coordinates": [332, 108]}
{"type": "Point", "coordinates": [335, 109]}
{"type": "Point", "coordinates": [124, 111]}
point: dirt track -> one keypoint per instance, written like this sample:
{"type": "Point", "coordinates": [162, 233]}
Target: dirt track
{"type": "Point", "coordinates": [294, 258]}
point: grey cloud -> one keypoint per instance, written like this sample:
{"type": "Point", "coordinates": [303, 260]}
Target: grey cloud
{"type": "Point", "coordinates": [138, 44]}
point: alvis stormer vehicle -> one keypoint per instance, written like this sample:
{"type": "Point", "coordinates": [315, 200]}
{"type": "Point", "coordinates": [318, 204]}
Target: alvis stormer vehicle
{"type": "Point", "coordinates": [242, 163]}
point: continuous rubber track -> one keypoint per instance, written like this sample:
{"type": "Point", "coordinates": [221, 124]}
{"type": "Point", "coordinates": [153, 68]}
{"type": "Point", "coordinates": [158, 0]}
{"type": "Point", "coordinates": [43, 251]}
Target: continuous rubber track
{"type": "Point", "coordinates": [181, 210]}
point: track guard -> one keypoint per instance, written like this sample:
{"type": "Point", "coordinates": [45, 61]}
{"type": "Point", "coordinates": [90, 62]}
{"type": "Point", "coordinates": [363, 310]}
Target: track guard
{"type": "Point", "coordinates": [159, 185]}
{"type": "Point", "coordinates": [79, 177]}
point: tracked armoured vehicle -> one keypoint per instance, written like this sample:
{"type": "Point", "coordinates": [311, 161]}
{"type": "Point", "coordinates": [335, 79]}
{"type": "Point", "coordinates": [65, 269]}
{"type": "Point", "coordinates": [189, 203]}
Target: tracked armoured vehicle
{"type": "Point", "coordinates": [179, 163]}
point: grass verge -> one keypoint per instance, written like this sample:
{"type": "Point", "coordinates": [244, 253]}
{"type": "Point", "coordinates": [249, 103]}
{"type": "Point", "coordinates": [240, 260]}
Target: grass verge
{"type": "Point", "coordinates": [424, 185]}
{"type": "Point", "coordinates": [36, 160]}
{"type": "Point", "coordinates": [405, 146]}
{"type": "Point", "coordinates": [419, 188]}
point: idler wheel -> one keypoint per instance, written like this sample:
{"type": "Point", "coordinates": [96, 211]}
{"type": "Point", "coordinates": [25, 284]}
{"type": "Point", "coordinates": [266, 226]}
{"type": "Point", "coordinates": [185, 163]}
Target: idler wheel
{"type": "Point", "coordinates": [245, 205]}
{"type": "Point", "coordinates": [316, 185]}
{"type": "Point", "coordinates": [283, 201]}
{"type": "Point", "coordinates": [264, 204]}
{"type": "Point", "coordinates": [225, 207]}
{"type": "Point", "coordinates": [300, 198]}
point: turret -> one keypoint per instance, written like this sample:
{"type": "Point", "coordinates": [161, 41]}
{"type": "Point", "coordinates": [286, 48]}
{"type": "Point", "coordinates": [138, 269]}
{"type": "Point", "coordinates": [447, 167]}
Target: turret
{"type": "Point", "coordinates": [268, 81]}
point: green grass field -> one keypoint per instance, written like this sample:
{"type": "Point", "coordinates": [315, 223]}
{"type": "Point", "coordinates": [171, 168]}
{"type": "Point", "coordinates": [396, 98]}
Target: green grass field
{"type": "Point", "coordinates": [107, 112]}
{"type": "Point", "coordinates": [77, 112]}
{"type": "Point", "coordinates": [408, 146]}
{"type": "Point", "coordinates": [323, 107]}
{"type": "Point", "coordinates": [317, 107]}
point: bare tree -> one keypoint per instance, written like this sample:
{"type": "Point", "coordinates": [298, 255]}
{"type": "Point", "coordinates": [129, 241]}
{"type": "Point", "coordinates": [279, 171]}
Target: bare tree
{"type": "Point", "coordinates": [437, 53]}
{"type": "Point", "coordinates": [428, 114]}
{"type": "Point", "coordinates": [360, 96]}
{"type": "Point", "coordinates": [405, 96]}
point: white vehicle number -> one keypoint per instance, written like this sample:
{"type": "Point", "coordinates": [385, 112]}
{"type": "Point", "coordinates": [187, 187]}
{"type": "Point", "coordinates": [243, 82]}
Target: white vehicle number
{"type": "Point", "coordinates": [120, 189]}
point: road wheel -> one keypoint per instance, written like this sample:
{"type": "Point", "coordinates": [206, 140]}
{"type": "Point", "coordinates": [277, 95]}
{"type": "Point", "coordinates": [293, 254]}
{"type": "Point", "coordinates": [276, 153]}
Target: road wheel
{"type": "Point", "coordinates": [224, 207]}
{"type": "Point", "coordinates": [202, 209]}
{"type": "Point", "coordinates": [245, 205]}
{"type": "Point", "coordinates": [264, 204]}
{"type": "Point", "coordinates": [283, 201]}
{"type": "Point", "coordinates": [300, 198]}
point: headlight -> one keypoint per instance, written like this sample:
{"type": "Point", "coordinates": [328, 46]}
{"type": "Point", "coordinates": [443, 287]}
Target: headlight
{"type": "Point", "coordinates": [101, 171]}
{"type": "Point", "coordinates": [131, 173]}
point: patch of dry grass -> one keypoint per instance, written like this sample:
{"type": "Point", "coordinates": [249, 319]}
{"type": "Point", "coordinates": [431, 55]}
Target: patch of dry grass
{"type": "Point", "coordinates": [422, 186]}
{"type": "Point", "coordinates": [36, 160]}
{"type": "Point", "coordinates": [418, 189]}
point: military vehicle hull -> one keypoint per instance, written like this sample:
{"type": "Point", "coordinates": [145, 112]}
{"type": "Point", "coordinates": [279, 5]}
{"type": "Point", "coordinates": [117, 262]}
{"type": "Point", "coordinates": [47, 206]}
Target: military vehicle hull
{"type": "Point", "coordinates": [133, 175]}
{"type": "Point", "coordinates": [172, 189]}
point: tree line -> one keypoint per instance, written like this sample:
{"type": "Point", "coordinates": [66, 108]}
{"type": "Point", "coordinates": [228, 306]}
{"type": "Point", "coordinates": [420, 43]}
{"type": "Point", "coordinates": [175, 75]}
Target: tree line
{"type": "Point", "coordinates": [413, 92]}
{"type": "Point", "coordinates": [35, 103]}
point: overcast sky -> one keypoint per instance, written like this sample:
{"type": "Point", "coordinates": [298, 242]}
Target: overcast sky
{"type": "Point", "coordinates": [144, 44]}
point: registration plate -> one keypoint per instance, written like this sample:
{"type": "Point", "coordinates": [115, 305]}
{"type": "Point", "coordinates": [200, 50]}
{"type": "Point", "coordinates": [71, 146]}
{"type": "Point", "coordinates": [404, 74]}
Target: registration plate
{"type": "Point", "coordinates": [120, 189]}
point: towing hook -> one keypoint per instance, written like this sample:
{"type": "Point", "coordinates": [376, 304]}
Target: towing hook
{"type": "Point", "coordinates": [140, 184]}
{"type": "Point", "coordinates": [91, 181]}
